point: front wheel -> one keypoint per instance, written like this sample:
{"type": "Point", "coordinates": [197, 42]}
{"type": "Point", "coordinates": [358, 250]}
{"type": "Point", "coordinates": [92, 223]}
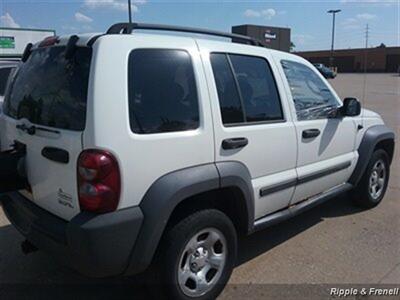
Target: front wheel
{"type": "Point", "coordinates": [199, 255]}
{"type": "Point", "coordinates": [372, 186]}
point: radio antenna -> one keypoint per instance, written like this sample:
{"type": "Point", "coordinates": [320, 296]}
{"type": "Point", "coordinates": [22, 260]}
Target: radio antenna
{"type": "Point", "coordinates": [365, 70]}
{"type": "Point", "coordinates": [130, 11]}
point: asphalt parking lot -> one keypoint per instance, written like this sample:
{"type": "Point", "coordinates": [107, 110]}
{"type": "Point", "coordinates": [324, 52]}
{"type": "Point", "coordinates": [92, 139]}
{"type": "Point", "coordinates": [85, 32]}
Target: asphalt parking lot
{"type": "Point", "coordinates": [332, 244]}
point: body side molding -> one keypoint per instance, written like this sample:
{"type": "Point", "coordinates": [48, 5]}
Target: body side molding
{"type": "Point", "coordinates": [264, 191]}
{"type": "Point", "coordinates": [303, 179]}
{"type": "Point", "coordinates": [371, 138]}
{"type": "Point", "coordinates": [324, 172]}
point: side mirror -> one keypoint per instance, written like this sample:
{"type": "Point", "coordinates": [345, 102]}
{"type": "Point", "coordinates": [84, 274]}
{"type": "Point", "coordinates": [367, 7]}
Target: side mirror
{"type": "Point", "coordinates": [351, 107]}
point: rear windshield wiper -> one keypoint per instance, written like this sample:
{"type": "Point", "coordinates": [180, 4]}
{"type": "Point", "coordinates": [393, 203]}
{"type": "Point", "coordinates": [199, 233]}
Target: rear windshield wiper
{"type": "Point", "coordinates": [31, 130]}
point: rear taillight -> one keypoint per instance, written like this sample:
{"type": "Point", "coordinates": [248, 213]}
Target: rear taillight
{"type": "Point", "coordinates": [99, 181]}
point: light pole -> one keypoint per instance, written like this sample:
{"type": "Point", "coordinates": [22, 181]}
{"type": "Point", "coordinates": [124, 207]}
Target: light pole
{"type": "Point", "coordinates": [130, 11]}
{"type": "Point", "coordinates": [333, 12]}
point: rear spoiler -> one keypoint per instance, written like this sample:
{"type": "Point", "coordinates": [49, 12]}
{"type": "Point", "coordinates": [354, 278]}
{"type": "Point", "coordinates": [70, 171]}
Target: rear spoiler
{"type": "Point", "coordinates": [50, 41]}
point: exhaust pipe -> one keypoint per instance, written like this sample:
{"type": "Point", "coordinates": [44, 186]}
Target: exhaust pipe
{"type": "Point", "coordinates": [27, 247]}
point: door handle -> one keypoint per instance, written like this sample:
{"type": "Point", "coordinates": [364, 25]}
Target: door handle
{"type": "Point", "coordinates": [56, 154]}
{"type": "Point", "coordinates": [234, 143]}
{"type": "Point", "coordinates": [310, 133]}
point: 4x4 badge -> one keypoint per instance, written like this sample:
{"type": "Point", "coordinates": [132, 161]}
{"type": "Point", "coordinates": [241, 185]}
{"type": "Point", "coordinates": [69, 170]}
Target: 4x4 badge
{"type": "Point", "coordinates": [64, 198]}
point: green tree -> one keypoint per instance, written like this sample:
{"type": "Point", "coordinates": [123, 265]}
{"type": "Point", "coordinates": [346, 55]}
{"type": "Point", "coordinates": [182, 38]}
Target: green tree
{"type": "Point", "coordinates": [292, 46]}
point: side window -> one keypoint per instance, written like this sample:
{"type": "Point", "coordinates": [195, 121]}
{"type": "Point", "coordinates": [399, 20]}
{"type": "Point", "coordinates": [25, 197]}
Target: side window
{"type": "Point", "coordinates": [246, 89]}
{"type": "Point", "coordinates": [229, 99]}
{"type": "Point", "coordinates": [311, 96]}
{"type": "Point", "coordinates": [258, 89]}
{"type": "Point", "coordinates": [162, 91]}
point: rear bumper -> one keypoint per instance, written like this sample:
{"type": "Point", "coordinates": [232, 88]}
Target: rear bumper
{"type": "Point", "coordinates": [95, 245]}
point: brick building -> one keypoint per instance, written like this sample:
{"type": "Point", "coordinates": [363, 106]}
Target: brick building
{"type": "Point", "coordinates": [380, 59]}
{"type": "Point", "coordinates": [271, 37]}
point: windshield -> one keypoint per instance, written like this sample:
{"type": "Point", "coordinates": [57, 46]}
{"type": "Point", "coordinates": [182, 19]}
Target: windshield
{"type": "Point", "coordinates": [50, 90]}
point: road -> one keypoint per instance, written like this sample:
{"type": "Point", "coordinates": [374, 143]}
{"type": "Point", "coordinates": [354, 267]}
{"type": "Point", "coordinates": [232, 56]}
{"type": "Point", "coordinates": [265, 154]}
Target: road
{"type": "Point", "coordinates": [328, 246]}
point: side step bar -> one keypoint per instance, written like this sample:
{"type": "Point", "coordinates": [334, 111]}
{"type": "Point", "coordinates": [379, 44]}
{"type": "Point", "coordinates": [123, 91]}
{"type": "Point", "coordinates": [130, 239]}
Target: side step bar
{"type": "Point", "coordinates": [300, 207]}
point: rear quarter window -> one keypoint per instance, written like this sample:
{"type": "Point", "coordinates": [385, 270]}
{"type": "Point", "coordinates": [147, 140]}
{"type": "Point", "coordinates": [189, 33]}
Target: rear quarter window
{"type": "Point", "coordinates": [162, 91]}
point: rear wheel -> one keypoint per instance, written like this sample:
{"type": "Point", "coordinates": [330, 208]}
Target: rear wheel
{"type": "Point", "coordinates": [372, 187]}
{"type": "Point", "coordinates": [198, 256]}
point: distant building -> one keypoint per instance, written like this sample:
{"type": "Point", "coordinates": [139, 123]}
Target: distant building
{"type": "Point", "coordinates": [14, 40]}
{"type": "Point", "coordinates": [380, 59]}
{"type": "Point", "coordinates": [272, 37]}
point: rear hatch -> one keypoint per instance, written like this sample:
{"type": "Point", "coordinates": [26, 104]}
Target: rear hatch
{"type": "Point", "coordinates": [45, 110]}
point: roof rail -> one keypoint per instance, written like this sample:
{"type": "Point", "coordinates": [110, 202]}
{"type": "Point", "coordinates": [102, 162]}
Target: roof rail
{"type": "Point", "coordinates": [127, 28]}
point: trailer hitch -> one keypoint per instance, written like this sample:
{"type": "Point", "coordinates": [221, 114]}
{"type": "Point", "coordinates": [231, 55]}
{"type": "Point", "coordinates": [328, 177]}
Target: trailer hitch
{"type": "Point", "coordinates": [27, 247]}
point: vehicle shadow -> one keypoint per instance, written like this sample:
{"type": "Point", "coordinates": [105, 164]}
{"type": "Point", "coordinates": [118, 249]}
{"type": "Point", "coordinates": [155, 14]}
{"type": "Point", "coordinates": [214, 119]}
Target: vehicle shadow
{"type": "Point", "coordinates": [263, 241]}
{"type": "Point", "coordinates": [37, 276]}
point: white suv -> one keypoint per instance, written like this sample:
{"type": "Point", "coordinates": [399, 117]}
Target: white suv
{"type": "Point", "coordinates": [136, 148]}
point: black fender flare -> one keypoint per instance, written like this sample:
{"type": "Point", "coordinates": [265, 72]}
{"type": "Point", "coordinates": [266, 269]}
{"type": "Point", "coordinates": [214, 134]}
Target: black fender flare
{"type": "Point", "coordinates": [171, 189]}
{"type": "Point", "coordinates": [236, 174]}
{"type": "Point", "coordinates": [371, 138]}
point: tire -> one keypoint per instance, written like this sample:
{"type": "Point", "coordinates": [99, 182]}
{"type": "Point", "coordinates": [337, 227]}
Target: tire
{"type": "Point", "coordinates": [363, 195]}
{"type": "Point", "coordinates": [179, 260]}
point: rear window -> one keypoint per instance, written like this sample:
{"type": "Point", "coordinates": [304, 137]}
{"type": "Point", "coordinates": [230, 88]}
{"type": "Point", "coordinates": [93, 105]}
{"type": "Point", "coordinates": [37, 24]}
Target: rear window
{"type": "Point", "coordinates": [50, 90]}
{"type": "Point", "coordinates": [162, 91]}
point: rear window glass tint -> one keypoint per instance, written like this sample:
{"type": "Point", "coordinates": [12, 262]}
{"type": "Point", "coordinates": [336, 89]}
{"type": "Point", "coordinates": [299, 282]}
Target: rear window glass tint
{"type": "Point", "coordinates": [247, 90]}
{"type": "Point", "coordinates": [162, 91]}
{"type": "Point", "coordinates": [50, 90]}
{"type": "Point", "coordinates": [258, 89]}
{"type": "Point", "coordinates": [229, 99]}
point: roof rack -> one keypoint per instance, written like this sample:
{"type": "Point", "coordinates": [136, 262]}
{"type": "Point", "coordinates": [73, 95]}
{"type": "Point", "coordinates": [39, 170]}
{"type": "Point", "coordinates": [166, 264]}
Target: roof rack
{"type": "Point", "coordinates": [127, 28]}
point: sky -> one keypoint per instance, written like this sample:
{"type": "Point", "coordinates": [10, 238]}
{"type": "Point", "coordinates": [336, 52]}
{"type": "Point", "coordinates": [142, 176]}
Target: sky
{"type": "Point", "coordinates": [310, 24]}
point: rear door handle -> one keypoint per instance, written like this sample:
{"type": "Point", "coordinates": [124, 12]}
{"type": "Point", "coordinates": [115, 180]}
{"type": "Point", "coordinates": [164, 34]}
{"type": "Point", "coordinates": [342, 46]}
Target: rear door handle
{"type": "Point", "coordinates": [56, 154]}
{"type": "Point", "coordinates": [234, 143]}
{"type": "Point", "coordinates": [310, 133]}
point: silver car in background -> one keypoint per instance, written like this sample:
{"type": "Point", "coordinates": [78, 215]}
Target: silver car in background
{"type": "Point", "coordinates": [6, 69]}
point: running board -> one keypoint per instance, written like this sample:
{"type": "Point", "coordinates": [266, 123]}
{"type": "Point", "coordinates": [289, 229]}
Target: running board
{"type": "Point", "coordinates": [300, 207]}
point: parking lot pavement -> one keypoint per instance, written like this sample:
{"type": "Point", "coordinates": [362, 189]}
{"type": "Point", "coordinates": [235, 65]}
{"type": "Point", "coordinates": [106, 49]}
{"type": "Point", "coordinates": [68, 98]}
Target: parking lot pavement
{"type": "Point", "coordinates": [333, 244]}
